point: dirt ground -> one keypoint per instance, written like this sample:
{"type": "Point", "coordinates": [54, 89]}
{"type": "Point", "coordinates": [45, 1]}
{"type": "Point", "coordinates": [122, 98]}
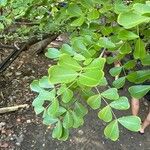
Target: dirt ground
{"type": "Point", "coordinates": [23, 130]}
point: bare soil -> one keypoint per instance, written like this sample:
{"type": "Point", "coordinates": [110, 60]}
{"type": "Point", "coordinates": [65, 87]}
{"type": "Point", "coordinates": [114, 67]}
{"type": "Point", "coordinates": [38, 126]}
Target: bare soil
{"type": "Point", "coordinates": [23, 130]}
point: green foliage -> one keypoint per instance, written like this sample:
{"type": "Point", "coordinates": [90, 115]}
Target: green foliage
{"type": "Point", "coordinates": [94, 101]}
{"type": "Point", "coordinates": [139, 51]}
{"type": "Point", "coordinates": [76, 80]}
{"type": "Point", "coordinates": [112, 130]}
{"type": "Point", "coordinates": [119, 83]}
{"type": "Point", "coordinates": [139, 91]}
{"type": "Point", "coordinates": [130, 122]}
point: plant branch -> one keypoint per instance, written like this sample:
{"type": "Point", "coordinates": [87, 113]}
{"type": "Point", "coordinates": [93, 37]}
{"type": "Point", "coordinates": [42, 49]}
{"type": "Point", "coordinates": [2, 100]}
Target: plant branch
{"type": "Point", "coordinates": [106, 102]}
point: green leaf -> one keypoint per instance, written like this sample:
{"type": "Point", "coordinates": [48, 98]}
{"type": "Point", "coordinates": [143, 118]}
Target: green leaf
{"type": "Point", "coordinates": [93, 15]}
{"type": "Point", "coordinates": [121, 104]}
{"type": "Point", "coordinates": [38, 109]}
{"type": "Point", "coordinates": [67, 95]}
{"type": "Point", "coordinates": [125, 48]}
{"type": "Point", "coordinates": [103, 82]}
{"type": "Point", "coordinates": [97, 63]}
{"type": "Point", "coordinates": [1, 26]}
{"type": "Point", "coordinates": [141, 8]}
{"type": "Point", "coordinates": [68, 62]}
{"type": "Point", "coordinates": [110, 60]}
{"type": "Point", "coordinates": [127, 35]}
{"type": "Point", "coordinates": [35, 86]}
{"type": "Point", "coordinates": [94, 101]}
{"type": "Point", "coordinates": [120, 7]}
{"type": "Point", "coordinates": [43, 96]}
{"type": "Point", "coordinates": [112, 130]}
{"type": "Point", "coordinates": [131, 19]}
{"type": "Point", "coordinates": [62, 89]}
{"type": "Point", "coordinates": [59, 74]}
{"type": "Point", "coordinates": [61, 111]}
{"type": "Point", "coordinates": [140, 51]}
{"type": "Point", "coordinates": [80, 47]}
{"type": "Point", "coordinates": [105, 114]}
{"type": "Point", "coordinates": [146, 60]}
{"type": "Point", "coordinates": [132, 123]}
{"type": "Point", "coordinates": [74, 10]}
{"type": "Point", "coordinates": [3, 3]}
{"type": "Point", "coordinates": [78, 120]}
{"type": "Point", "coordinates": [138, 91]}
{"type": "Point", "coordinates": [67, 49]}
{"type": "Point", "coordinates": [45, 83]}
{"type": "Point", "coordinates": [106, 43]}
{"type": "Point", "coordinates": [106, 30]}
{"type": "Point", "coordinates": [80, 109]}
{"type": "Point", "coordinates": [130, 64]}
{"type": "Point", "coordinates": [78, 22]}
{"type": "Point", "coordinates": [119, 83]}
{"type": "Point", "coordinates": [79, 57]}
{"type": "Point", "coordinates": [87, 61]}
{"type": "Point", "coordinates": [53, 108]}
{"type": "Point", "coordinates": [139, 76]}
{"type": "Point", "coordinates": [38, 101]}
{"type": "Point", "coordinates": [68, 120]}
{"type": "Point", "coordinates": [87, 4]}
{"type": "Point", "coordinates": [48, 95]}
{"type": "Point", "coordinates": [48, 120]}
{"type": "Point", "coordinates": [115, 71]}
{"type": "Point", "coordinates": [111, 94]}
{"type": "Point", "coordinates": [57, 132]}
{"type": "Point", "coordinates": [91, 77]}
{"type": "Point", "coordinates": [65, 135]}
{"type": "Point", "coordinates": [52, 53]}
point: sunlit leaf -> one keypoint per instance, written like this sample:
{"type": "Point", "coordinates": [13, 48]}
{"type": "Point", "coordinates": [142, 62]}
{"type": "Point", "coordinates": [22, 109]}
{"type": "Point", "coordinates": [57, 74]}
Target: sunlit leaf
{"type": "Point", "coordinates": [94, 101]}
{"type": "Point", "coordinates": [119, 83]}
{"type": "Point", "coordinates": [59, 74]}
{"type": "Point", "coordinates": [105, 114]}
{"type": "Point", "coordinates": [91, 77]}
{"type": "Point", "coordinates": [139, 51]}
{"type": "Point", "coordinates": [35, 86]}
{"type": "Point", "coordinates": [131, 19]}
{"type": "Point", "coordinates": [130, 64]}
{"type": "Point", "coordinates": [121, 104]}
{"type": "Point", "coordinates": [138, 91]}
{"type": "Point", "coordinates": [78, 22]}
{"type": "Point", "coordinates": [112, 130]}
{"type": "Point", "coordinates": [68, 62]}
{"type": "Point", "coordinates": [52, 53]}
{"type": "Point", "coordinates": [111, 94]}
{"type": "Point", "coordinates": [115, 71]}
{"type": "Point", "coordinates": [127, 35]}
{"type": "Point", "coordinates": [132, 123]}
{"type": "Point", "coordinates": [45, 83]}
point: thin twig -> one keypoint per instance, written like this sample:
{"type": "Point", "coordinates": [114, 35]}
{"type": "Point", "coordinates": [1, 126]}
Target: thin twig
{"type": "Point", "coordinates": [102, 53]}
{"type": "Point", "coordinates": [12, 108]}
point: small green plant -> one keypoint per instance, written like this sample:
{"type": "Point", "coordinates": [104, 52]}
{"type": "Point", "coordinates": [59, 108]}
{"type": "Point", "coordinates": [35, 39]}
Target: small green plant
{"type": "Point", "coordinates": [75, 81]}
